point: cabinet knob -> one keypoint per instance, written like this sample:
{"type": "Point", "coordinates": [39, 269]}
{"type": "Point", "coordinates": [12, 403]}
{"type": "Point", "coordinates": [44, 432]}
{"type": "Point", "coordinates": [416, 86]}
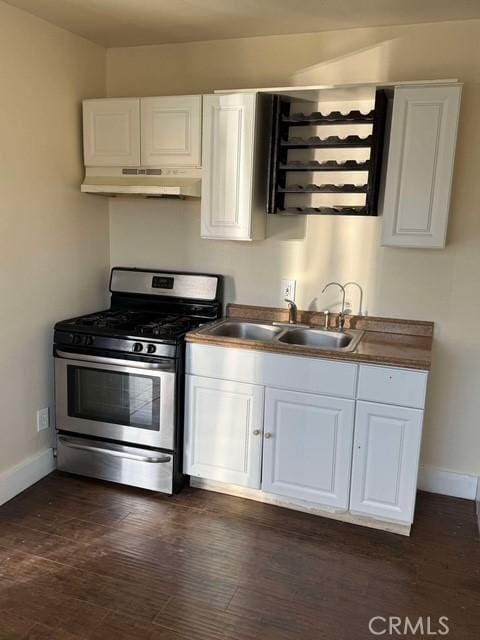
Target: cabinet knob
{"type": "Point", "coordinates": [256, 432]}
{"type": "Point", "coordinates": [268, 435]}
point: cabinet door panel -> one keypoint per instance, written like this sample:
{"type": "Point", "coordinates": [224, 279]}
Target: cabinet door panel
{"type": "Point", "coordinates": [111, 132]}
{"type": "Point", "coordinates": [228, 155]}
{"type": "Point", "coordinates": [308, 453]}
{"type": "Point", "coordinates": [171, 131]}
{"type": "Point", "coordinates": [223, 430]}
{"type": "Point", "coordinates": [420, 166]}
{"type": "Point", "coordinates": [385, 461]}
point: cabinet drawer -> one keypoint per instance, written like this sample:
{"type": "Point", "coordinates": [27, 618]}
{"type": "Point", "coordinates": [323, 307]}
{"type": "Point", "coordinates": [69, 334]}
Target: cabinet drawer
{"type": "Point", "coordinates": [392, 386]}
{"type": "Point", "coordinates": [298, 373]}
{"type": "Point", "coordinates": [116, 463]}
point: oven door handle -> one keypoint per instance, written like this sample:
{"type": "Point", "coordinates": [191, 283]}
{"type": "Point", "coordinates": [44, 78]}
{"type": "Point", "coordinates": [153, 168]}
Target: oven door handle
{"type": "Point", "coordinates": [113, 452]}
{"type": "Point", "coordinates": [115, 361]}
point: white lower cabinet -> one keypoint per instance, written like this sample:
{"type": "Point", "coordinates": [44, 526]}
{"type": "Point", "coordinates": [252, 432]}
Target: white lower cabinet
{"type": "Point", "coordinates": [385, 461]}
{"type": "Point", "coordinates": [223, 430]}
{"type": "Point", "coordinates": [308, 447]}
{"type": "Point", "coordinates": [303, 432]}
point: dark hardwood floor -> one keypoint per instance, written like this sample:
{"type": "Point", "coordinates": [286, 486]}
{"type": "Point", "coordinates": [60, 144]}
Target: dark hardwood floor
{"type": "Point", "coordinates": [81, 559]}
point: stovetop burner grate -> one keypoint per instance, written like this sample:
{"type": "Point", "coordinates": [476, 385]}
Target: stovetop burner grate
{"type": "Point", "coordinates": [137, 322]}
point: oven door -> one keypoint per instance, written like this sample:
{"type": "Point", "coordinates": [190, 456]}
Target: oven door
{"type": "Point", "coordinates": [122, 400]}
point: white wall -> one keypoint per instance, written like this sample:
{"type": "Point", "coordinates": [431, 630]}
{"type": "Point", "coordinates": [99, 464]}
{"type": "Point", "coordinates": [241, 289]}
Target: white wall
{"type": "Point", "coordinates": [432, 285]}
{"type": "Point", "coordinates": [54, 244]}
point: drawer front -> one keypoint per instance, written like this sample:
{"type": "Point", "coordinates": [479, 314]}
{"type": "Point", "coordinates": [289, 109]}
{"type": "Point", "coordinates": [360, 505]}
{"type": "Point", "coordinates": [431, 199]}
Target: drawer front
{"type": "Point", "coordinates": [392, 386]}
{"type": "Point", "coordinates": [313, 375]}
{"type": "Point", "coordinates": [221, 363]}
{"type": "Point", "coordinates": [135, 467]}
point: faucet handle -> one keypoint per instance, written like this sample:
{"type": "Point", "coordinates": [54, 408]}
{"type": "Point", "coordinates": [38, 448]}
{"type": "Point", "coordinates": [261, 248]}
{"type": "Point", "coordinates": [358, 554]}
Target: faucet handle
{"type": "Point", "coordinates": [326, 315]}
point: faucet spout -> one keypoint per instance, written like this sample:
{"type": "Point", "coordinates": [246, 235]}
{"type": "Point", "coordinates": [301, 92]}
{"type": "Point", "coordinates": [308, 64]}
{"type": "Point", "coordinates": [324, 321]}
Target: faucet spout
{"type": "Point", "coordinates": [360, 302]}
{"type": "Point", "coordinates": [292, 311]}
{"type": "Point", "coordinates": [341, 315]}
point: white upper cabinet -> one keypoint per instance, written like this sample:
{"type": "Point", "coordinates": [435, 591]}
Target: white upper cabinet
{"type": "Point", "coordinates": [385, 461]}
{"type": "Point", "coordinates": [420, 165]}
{"type": "Point", "coordinates": [223, 430]}
{"type": "Point", "coordinates": [233, 166]}
{"type": "Point", "coordinates": [111, 132]}
{"type": "Point", "coordinates": [308, 447]}
{"type": "Point", "coordinates": [150, 132]}
{"type": "Point", "coordinates": [171, 131]}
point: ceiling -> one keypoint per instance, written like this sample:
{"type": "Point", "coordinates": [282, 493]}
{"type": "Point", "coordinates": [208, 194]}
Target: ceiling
{"type": "Point", "coordinates": [117, 23]}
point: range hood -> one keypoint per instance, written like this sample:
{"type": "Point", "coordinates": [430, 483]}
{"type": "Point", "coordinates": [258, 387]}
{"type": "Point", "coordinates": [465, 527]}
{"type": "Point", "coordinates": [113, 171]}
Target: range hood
{"type": "Point", "coordinates": [118, 181]}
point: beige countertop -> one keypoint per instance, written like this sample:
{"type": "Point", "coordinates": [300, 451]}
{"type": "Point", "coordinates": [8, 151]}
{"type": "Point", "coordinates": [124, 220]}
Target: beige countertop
{"type": "Point", "coordinates": [389, 341]}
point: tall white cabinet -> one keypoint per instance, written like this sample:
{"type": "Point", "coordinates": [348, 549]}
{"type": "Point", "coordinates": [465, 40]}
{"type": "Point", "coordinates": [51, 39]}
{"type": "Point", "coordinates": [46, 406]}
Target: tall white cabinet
{"type": "Point", "coordinates": [420, 165]}
{"type": "Point", "coordinates": [234, 167]}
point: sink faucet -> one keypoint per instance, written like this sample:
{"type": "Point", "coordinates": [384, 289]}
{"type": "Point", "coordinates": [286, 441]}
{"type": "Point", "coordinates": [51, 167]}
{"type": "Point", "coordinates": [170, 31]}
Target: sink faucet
{"type": "Point", "coordinates": [360, 302]}
{"type": "Point", "coordinates": [292, 311]}
{"type": "Point", "coordinates": [341, 315]}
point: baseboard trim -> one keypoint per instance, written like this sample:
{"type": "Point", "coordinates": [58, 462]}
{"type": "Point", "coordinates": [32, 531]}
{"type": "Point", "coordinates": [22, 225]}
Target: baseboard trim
{"type": "Point", "coordinates": [15, 480]}
{"type": "Point", "coordinates": [448, 483]}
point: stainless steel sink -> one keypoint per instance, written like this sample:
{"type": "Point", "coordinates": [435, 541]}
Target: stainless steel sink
{"type": "Point", "coordinates": [318, 339]}
{"type": "Point", "coordinates": [245, 330]}
{"type": "Point", "coordinates": [296, 335]}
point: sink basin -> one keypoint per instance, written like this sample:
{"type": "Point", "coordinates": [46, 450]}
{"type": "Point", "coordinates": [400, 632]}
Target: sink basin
{"type": "Point", "coordinates": [319, 339]}
{"type": "Point", "coordinates": [246, 330]}
{"type": "Point", "coordinates": [296, 335]}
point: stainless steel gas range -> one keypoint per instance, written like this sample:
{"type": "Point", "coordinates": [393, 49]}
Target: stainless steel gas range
{"type": "Point", "coordinates": [119, 378]}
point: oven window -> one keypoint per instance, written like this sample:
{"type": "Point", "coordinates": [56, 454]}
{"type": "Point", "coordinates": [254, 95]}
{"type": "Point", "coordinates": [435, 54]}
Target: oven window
{"type": "Point", "coordinates": [118, 398]}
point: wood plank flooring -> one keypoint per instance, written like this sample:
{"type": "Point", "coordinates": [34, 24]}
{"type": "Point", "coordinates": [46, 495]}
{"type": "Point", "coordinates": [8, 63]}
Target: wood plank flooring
{"type": "Point", "coordinates": [86, 560]}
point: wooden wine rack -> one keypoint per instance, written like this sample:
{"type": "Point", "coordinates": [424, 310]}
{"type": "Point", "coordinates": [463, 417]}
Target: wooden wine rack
{"type": "Point", "coordinates": [280, 165]}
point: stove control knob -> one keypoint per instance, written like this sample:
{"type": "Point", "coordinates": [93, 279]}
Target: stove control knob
{"type": "Point", "coordinates": [89, 340]}
{"type": "Point", "coordinates": [137, 347]}
{"type": "Point", "coordinates": [77, 339]}
{"type": "Point", "coordinates": [151, 348]}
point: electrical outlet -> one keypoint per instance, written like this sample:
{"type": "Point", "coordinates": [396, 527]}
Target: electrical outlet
{"type": "Point", "coordinates": [43, 419]}
{"type": "Point", "coordinates": [288, 289]}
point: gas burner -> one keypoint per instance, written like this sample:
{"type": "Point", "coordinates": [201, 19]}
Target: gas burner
{"type": "Point", "coordinates": [150, 329]}
{"type": "Point", "coordinates": [168, 326]}
{"type": "Point", "coordinates": [105, 319]}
